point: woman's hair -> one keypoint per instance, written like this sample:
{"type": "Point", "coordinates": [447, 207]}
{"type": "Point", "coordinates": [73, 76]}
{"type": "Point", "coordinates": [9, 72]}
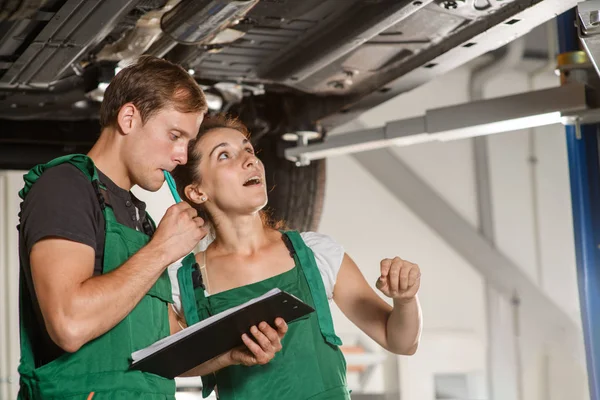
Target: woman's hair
{"type": "Point", "coordinates": [189, 173]}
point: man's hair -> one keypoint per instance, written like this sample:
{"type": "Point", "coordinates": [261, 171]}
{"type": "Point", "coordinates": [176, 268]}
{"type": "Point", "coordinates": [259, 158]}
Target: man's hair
{"type": "Point", "coordinates": [151, 84]}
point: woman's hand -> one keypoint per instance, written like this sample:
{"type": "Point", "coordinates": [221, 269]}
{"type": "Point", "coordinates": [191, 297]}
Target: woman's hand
{"type": "Point", "coordinates": [400, 279]}
{"type": "Point", "coordinates": [261, 350]}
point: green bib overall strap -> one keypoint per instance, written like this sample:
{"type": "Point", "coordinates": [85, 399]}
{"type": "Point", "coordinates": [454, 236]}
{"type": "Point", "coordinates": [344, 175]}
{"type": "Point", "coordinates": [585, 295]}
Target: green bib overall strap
{"type": "Point", "coordinates": [81, 161]}
{"type": "Point", "coordinates": [200, 305]}
{"type": "Point", "coordinates": [317, 290]}
{"type": "Point", "coordinates": [185, 278]}
{"type": "Point", "coordinates": [101, 366]}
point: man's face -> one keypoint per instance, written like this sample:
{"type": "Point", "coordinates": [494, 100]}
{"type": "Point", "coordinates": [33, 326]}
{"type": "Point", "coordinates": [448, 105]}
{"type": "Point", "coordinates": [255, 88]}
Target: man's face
{"type": "Point", "coordinates": [159, 144]}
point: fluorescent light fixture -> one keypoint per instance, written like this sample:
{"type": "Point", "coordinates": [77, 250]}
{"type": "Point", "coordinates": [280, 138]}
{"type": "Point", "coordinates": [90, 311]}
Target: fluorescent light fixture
{"type": "Point", "coordinates": [479, 118]}
{"type": "Point", "coordinates": [351, 142]}
{"type": "Point", "coordinates": [411, 140]}
{"type": "Point", "coordinates": [372, 139]}
{"type": "Point", "coordinates": [516, 124]}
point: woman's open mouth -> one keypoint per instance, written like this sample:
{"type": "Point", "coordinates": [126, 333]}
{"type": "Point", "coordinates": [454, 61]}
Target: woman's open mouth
{"type": "Point", "coordinates": [253, 181]}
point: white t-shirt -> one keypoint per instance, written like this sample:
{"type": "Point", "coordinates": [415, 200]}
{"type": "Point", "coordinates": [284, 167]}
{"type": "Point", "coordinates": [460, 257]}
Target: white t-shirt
{"type": "Point", "coordinates": [328, 255]}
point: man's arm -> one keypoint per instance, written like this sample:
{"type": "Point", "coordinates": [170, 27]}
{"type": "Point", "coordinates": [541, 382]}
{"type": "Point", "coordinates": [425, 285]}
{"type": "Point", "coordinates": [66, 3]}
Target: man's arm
{"type": "Point", "coordinates": [77, 306]}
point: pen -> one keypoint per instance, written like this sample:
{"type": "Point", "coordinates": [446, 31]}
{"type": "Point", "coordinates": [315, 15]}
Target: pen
{"type": "Point", "coordinates": [172, 186]}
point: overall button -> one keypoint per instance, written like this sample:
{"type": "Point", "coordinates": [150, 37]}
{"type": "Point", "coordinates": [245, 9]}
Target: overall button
{"type": "Point", "coordinates": [128, 203]}
{"type": "Point", "coordinates": [133, 218]}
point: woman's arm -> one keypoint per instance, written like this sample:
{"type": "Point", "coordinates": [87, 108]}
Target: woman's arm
{"type": "Point", "coordinates": [396, 329]}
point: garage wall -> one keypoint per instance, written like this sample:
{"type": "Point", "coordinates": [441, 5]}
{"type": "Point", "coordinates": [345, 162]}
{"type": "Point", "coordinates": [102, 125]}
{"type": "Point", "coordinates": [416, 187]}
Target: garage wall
{"type": "Point", "coordinates": [533, 227]}
{"type": "Point", "coordinates": [10, 184]}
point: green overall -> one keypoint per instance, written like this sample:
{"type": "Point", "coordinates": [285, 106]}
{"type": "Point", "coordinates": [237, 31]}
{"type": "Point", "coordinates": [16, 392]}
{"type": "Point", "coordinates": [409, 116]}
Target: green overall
{"type": "Point", "coordinates": [101, 365]}
{"type": "Point", "coordinates": [310, 364]}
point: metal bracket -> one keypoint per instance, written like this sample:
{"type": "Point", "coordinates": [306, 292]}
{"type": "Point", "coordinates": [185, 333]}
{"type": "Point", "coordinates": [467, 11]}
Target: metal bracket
{"type": "Point", "coordinates": [8, 379]}
{"type": "Point", "coordinates": [302, 160]}
{"type": "Point", "coordinates": [588, 29]}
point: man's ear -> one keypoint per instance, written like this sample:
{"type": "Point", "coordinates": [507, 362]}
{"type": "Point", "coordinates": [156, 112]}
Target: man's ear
{"type": "Point", "coordinates": [195, 194]}
{"type": "Point", "coordinates": [127, 118]}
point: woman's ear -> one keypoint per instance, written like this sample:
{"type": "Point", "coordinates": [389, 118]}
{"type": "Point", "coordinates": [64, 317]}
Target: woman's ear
{"type": "Point", "coordinates": [195, 194]}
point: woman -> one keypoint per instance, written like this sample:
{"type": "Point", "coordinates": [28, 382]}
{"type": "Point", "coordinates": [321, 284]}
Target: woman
{"type": "Point", "coordinates": [225, 181]}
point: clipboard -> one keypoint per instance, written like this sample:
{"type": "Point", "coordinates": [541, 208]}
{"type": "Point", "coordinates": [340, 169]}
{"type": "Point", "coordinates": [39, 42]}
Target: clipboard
{"type": "Point", "coordinates": [201, 342]}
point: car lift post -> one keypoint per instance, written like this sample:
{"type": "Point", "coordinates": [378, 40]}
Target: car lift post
{"type": "Point", "coordinates": [584, 168]}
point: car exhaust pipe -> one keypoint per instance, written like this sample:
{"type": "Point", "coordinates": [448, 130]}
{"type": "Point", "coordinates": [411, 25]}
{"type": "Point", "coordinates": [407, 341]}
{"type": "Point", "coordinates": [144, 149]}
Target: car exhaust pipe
{"type": "Point", "coordinates": [198, 22]}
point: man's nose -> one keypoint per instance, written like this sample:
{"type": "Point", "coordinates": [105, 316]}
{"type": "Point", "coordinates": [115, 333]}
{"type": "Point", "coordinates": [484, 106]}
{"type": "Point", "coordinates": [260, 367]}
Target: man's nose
{"type": "Point", "coordinates": [180, 156]}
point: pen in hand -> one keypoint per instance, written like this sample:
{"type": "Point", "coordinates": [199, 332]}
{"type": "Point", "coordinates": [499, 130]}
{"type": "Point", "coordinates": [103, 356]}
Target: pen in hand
{"type": "Point", "coordinates": [172, 187]}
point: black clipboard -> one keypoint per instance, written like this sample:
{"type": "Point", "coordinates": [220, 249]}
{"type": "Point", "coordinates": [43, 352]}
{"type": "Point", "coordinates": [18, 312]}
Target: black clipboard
{"type": "Point", "coordinates": [176, 354]}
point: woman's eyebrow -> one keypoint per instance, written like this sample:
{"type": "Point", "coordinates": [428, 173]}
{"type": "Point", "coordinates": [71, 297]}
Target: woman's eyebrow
{"type": "Point", "coordinates": [224, 144]}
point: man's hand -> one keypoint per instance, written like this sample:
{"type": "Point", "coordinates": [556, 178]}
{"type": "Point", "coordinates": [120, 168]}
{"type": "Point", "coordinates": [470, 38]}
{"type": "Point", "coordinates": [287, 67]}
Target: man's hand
{"type": "Point", "coordinates": [261, 350]}
{"type": "Point", "coordinates": [399, 279]}
{"type": "Point", "coordinates": [179, 232]}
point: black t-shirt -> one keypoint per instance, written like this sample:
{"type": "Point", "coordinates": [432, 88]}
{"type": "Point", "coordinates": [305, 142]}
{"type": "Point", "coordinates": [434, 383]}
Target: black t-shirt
{"type": "Point", "coordinates": [63, 203]}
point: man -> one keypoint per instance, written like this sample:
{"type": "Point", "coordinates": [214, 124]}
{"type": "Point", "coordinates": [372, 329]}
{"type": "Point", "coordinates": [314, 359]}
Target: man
{"type": "Point", "coordinates": [93, 286]}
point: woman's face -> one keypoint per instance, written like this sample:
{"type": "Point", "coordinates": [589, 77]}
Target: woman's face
{"type": "Point", "coordinates": [233, 178]}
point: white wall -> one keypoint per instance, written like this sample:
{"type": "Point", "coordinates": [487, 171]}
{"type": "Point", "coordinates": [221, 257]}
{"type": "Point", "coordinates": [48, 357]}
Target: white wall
{"type": "Point", "coordinates": [10, 184]}
{"type": "Point", "coordinates": [533, 228]}
{"type": "Point", "coordinates": [372, 224]}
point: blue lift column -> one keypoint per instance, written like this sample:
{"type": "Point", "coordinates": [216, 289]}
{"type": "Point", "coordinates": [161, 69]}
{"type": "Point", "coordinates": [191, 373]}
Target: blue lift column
{"type": "Point", "coordinates": [582, 145]}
